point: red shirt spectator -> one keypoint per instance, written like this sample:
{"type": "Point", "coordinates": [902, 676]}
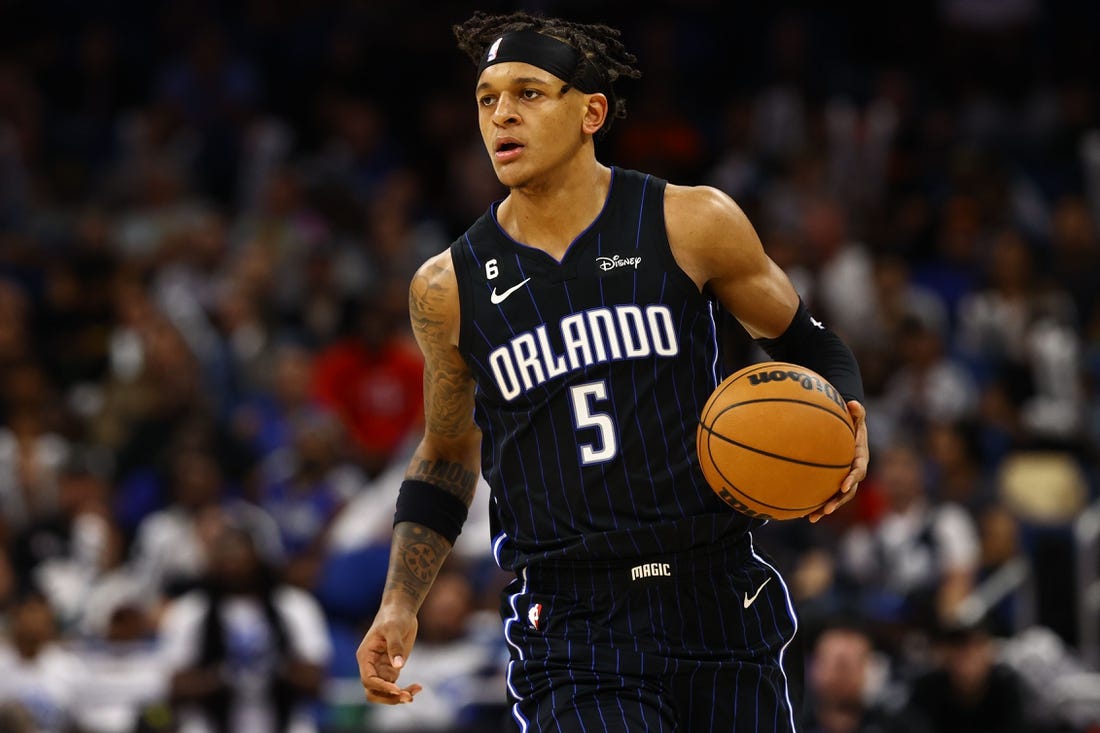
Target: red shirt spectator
{"type": "Point", "coordinates": [374, 381]}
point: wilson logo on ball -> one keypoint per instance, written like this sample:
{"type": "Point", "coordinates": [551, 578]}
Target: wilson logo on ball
{"type": "Point", "coordinates": [807, 381]}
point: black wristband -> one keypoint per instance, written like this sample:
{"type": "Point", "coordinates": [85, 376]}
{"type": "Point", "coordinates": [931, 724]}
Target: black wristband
{"type": "Point", "coordinates": [807, 342]}
{"type": "Point", "coordinates": [435, 508]}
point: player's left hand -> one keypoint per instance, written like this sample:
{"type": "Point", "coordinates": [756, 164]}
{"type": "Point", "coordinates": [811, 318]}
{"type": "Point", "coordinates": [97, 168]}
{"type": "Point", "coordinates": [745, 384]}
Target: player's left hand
{"type": "Point", "coordinates": [859, 465]}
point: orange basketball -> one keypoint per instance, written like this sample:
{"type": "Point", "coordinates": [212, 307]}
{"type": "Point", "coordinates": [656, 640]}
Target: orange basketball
{"type": "Point", "coordinates": [775, 440]}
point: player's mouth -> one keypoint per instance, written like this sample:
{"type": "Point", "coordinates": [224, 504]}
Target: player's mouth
{"type": "Point", "coordinates": [507, 149]}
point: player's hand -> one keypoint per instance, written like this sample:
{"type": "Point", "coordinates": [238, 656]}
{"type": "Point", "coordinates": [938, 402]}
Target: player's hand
{"type": "Point", "coordinates": [382, 654]}
{"type": "Point", "coordinates": [859, 465]}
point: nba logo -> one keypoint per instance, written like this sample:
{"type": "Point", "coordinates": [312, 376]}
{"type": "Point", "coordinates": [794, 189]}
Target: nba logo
{"type": "Point", "coordinates": [493, 50]}
{"type": "Point", "coordinates": [533, 615]}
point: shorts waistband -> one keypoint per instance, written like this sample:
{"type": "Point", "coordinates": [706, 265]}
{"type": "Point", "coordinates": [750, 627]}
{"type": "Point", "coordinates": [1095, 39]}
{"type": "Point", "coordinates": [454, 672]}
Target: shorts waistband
{"type": "Point", "coordinates": [689, 562]}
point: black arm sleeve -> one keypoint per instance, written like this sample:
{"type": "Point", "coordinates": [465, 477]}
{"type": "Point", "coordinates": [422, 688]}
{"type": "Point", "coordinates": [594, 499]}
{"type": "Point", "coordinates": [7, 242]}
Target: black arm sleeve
{"type": "Point", "coordinates": [808, 343]}
{"type": "Point", "coordinates": [433, 507]}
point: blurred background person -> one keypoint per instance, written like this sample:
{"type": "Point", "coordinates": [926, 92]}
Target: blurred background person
{"type": "Point", "coordinates": [849, 685]}
{"type": "Point", "coordinates": [967, 689]}
{"type": "Point", "coordinates": [919, 560]}
{"type": "Point", "coordinates": [245, 652]}
{"type": "Point", "coordinates": [36, 672]}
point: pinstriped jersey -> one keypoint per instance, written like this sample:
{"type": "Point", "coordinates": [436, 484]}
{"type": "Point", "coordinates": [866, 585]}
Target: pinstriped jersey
{"type": "Point", "coordinates": [591, 374]}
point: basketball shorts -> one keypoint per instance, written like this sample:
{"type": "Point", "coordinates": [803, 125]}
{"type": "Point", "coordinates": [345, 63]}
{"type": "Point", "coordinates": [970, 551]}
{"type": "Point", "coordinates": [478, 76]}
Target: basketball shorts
{"type": "Point", "coordinates": [689, 642]}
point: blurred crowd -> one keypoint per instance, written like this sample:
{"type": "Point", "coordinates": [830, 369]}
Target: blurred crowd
{"type": "Point", "coordinates": [209, 215]}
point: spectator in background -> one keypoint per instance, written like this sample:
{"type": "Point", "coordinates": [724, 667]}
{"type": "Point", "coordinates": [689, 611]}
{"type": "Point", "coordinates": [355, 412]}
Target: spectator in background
{"type": "Point", "coordinates": [928, 385]}
{"type": "Point", "coordinates": [15, 335]}
{"type": "Point", "coordinates": [124, 684]}
{"type": "Point", "coordinates": [373, 378]}
{"type": "Point", "coordinates": [951, 269]}
{"type": "Point", "coordinates": [154, 382]}
{"type": "Point", "coordinates": [1018, 334]}
{"type": "Point", "coordinates": [247, 653]}
{"type": "Point", "coordinates": [186, 288]}
{"type": "Point", "coordinates": [215, 91]}
{"type": "Point", "coordinates": [400, 235]}
{"type": "Point", "coordinates": [64, 553]}
{"type": "Point", "coordinates": [956, 465]}
{"type": "Point", "coordinates": [160, 208]}
{"type": "Point", "coordinates": [304, 486]}
{"type": "Point", "coordinates": [849, 686]}
{"type": "Point", "coordinates": [1001, 546]}
{"type": "Point", "coordinates": [919, 561]}
{"type": "Point", "coordinates": [173, 546]}
{"type": "Point", "coordinates": [897, 298]}
{"type": "Point", "coordinates": [844, 269]}
{"type": "Point", "coordinates": [265, 419]}
{"type": "Point", "coordinates": [968, 691]}
{"type": "Point", "coordinates": [35, 671]}
{"type": "Point", "coordinates": [247, 346]}
{"type": "Point", "coordinates": [1075, 254]}
{"type": "Point", "coordinates": [72, 320]}
{"type": "Point", "coordinates": [32, 450]}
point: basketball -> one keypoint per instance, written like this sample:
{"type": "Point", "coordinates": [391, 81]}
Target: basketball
{"type": "Point", "coordinates": [775, 440]}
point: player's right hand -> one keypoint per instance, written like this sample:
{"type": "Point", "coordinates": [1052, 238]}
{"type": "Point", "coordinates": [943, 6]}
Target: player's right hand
{"type": "Point", "coordinates": [382, 654]}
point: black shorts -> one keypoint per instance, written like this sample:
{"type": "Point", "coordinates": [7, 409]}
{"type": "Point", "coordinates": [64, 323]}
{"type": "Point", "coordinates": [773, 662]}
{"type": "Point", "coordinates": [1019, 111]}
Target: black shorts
{"type": "Point", "coordinates": [689, 642]}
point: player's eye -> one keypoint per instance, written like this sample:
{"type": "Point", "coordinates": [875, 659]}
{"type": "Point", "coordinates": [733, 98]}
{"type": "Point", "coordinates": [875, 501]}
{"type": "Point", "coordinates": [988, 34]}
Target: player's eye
{"type": "Point", "coordinates": [531, 93]}
{"type": "Point", "coordinates": [486, 100]}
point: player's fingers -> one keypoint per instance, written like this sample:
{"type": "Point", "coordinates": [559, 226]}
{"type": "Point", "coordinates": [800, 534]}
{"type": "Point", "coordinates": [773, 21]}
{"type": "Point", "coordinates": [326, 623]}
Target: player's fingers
{"type": "Point", "coordinates": [851, 481]}
{"type": "Point", "coordinates": [376, 665]}
{"type": "Point", "coordinates": [395, 648]}
{"type": "Point", "coordinates": [395, 696]}
{"type": "Point", "coordinates": [861, 456]}
{"type": "Point", "coordinates": [838, 500]}
{"type": "Point", "coordinates": [387, 693]}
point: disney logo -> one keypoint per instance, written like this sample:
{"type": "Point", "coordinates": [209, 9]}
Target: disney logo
{"type": "Point", "coordinates": [615, 261]}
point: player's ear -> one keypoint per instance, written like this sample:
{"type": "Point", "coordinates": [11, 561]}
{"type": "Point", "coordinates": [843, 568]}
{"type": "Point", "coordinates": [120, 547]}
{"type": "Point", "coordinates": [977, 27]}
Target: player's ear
{"type": "Point", "coordinates": [595, 112]}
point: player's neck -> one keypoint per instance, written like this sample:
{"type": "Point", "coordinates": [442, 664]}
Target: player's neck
{"type": "Point", "coordinates": [551, 213]}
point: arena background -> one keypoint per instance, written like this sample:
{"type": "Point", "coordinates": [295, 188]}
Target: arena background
{"type": "Point", "coordinates": [209, 214]}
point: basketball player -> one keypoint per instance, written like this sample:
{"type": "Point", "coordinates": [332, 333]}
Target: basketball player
{"type": "Point", "coordinates": [569, 345]}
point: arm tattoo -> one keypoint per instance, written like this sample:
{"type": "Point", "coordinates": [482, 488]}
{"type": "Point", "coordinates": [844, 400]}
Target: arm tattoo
{"type": "Point", "coordinates": [415, 558]}
{"type": "Point", "coordinates": [447, 457]}
{"type": "Point", "coordinates": [448, 383]}
{"type": "Point", "coordinates": [451, 476]}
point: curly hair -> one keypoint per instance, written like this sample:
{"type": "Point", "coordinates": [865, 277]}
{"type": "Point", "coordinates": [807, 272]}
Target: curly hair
{"type": "Point", "coordinates": [598, 43]}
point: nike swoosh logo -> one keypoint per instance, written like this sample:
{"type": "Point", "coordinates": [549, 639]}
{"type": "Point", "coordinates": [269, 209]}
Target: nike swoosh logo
{"type": "Point", "coordinates": [749, 601]}
{"type": "Point", "coordinates": [498, 298]}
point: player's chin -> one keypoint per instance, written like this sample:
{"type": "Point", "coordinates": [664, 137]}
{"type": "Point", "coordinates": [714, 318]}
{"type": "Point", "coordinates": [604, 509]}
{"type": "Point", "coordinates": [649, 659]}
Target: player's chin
{"type": "Point", "coordinates": [511, 175]}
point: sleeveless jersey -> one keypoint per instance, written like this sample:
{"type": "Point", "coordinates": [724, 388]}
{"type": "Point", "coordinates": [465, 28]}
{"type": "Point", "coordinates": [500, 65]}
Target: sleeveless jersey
{"type": "Point", "coordinates": [591, 375]}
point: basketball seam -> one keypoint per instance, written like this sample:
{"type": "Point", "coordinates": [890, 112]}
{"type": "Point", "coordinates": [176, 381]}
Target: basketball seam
{"type": "Point", "coordinates": [753, 499]}
{"type": "Point", "coordinates": [796, 511]}
{"type": "Point", "coordinates": [714, 464]}
{"type": "Point", "coordinates": [762, 452]}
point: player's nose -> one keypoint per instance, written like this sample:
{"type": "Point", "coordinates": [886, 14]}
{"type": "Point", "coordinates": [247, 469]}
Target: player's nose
{"type": "Point", "coordinates": [505, 111]}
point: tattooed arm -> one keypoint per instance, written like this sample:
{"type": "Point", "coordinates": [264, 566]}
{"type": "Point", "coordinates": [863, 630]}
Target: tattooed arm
{"type": "Point", "coordinates": [448, 457]}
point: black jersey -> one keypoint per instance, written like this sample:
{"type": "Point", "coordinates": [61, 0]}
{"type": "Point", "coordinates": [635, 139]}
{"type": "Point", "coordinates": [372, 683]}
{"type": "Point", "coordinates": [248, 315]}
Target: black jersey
{"type": "Point", "coordinates": [591, 374]}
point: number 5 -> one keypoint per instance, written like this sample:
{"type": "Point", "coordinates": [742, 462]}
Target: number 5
{"type": "Point", "coordinates": [586, 418]}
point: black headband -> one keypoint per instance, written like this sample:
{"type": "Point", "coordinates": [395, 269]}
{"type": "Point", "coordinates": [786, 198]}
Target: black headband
{"type": "Point", "coordinates": [549, 54]}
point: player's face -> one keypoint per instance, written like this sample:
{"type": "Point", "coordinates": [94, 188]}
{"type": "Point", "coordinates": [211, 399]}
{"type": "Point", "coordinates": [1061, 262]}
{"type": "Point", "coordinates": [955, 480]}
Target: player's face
{"type": "Point", "coordinates": [527, 124]}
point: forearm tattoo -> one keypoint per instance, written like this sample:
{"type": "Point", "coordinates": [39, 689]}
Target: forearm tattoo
{"type": "Point", "coordinates": [451, 476]}
{"type": "Point", "coordinates": [416, 556]}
